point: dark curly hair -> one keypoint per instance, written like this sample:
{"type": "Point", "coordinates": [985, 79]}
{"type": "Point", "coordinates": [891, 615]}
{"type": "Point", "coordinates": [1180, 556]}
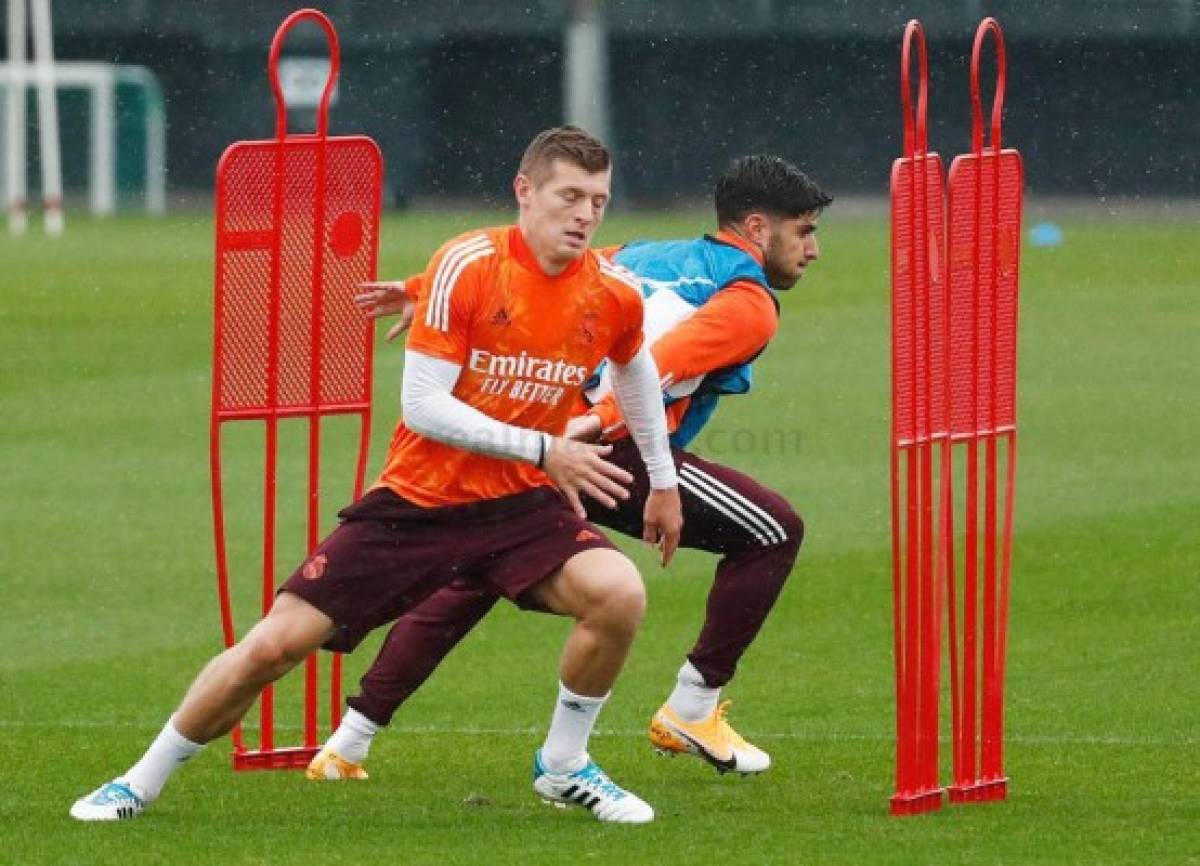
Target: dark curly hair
{"type": "Point", "coordinates": [767, 184]}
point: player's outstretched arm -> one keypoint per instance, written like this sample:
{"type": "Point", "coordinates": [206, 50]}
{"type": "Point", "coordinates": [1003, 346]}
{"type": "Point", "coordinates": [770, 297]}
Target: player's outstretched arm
{"type": "Point", "coordinates": [390, 298]}
{"type": "Point", "coordinates": [638, 393]}
{"type": "Point", "coordinates": [432, 410]}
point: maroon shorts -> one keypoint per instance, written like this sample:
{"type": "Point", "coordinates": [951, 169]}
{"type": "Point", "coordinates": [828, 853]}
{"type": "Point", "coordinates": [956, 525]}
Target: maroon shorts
{"type": "Point", "coordinates": [388, 555]}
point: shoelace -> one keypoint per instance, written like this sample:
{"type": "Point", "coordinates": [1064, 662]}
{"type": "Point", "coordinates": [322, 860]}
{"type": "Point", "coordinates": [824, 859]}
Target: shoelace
{"type": "Point", "coordinates": [733, 735]}
{"type": "Point", "coordinates": [594, 776]}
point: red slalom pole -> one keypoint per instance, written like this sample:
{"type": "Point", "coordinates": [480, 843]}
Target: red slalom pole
{"type": "Point", "coordinates": [955, 269]}
{"type": "Point", "coordinates": [917, 230]}
{"type": "Point", "coordinates": [985, 192]}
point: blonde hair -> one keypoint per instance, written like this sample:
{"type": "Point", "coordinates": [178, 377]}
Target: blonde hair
{"type": "Point", "coordinates": [567, 143]}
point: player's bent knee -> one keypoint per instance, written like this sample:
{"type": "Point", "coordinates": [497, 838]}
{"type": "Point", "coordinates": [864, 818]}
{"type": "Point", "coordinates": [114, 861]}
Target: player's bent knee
{"type": "Point", "coordinates": [274, 651]}
{"type": "Point", "coordinates": [791, 523]}
{"type": "Point", "coordinates": [786, 527]}
{"type": "Point", "coordinates": [265, 657]}
{"type": "Point", "coordinates": [599, 585]}
{"type": "Point", "coordinates": [284, 638]}
{"type": "Point", "coordinates": [619, 597]}
{"type": "Point", "coordinates": [624, 603]}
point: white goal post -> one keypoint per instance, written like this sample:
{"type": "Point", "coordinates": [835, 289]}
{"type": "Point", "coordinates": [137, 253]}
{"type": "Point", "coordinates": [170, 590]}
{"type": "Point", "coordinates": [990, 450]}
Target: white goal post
{"type": "Point", "coordinates": [101, 81]}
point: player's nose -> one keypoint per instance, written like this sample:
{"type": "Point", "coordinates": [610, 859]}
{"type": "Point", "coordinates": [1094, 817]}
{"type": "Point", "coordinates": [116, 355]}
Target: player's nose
{"type": "Point", "coordinates": [585, 215]}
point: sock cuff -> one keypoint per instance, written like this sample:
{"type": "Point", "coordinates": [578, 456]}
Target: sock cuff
{"type": "Point", "coordinates": [565, 694]}
{"type": "Point", "coordinates": [690, 676]}
{"type": "Point", "coordinates": [359, 723]}
{"type": "Point", "coordinates": [179, 740]}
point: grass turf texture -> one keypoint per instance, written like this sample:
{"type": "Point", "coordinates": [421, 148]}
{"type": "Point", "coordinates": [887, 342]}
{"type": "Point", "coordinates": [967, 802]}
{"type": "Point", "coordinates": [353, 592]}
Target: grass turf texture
{"type": "Point", "coordinates": [110, 607]}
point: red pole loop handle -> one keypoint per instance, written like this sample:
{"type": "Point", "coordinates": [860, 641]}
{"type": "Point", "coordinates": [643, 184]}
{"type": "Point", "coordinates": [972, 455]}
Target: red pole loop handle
{"type": "Point", "coordinates": [916, 137]}
{"type": "Point", "coordinates": [987, 25]}
{"type": "Point", "coordinates": [335, 62]}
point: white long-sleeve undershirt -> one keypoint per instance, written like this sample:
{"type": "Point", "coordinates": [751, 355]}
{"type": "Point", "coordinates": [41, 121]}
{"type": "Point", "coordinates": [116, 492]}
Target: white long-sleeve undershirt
{"type": "Point", "coordinates": [639, 395]}
{"type": "Point", "coordinates": [431, 410]}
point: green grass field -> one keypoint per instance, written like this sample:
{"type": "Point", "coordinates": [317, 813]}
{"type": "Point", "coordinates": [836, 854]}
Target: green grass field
{"type": "Point", "coordinates": [109, 604]}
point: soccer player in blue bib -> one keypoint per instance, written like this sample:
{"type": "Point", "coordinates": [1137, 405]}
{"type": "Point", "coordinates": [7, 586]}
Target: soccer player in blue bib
{"type": "Point", "coordinates": [710, 311]}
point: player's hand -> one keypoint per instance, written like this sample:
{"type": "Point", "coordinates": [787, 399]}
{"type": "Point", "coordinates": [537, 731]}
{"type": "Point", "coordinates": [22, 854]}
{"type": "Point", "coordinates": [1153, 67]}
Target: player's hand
{"type": "Point", "coordinates": [579, 468]}
{"type": "Point", "coordinates": [387, 298]}
{"type": "Point", "coordinates": [662, 522]}
{"type": "Point", "coordinates": [585, 428]}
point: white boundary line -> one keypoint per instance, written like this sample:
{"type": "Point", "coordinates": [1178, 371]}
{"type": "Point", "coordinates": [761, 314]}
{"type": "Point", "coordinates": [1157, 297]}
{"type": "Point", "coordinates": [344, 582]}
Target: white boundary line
{"type": "Point", "coordinates": [797, 736]}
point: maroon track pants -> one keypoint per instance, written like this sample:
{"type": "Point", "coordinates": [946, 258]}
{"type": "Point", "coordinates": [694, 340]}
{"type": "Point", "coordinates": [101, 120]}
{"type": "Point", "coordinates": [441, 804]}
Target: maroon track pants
{"type": "Point", "coordinates": [724, 511]}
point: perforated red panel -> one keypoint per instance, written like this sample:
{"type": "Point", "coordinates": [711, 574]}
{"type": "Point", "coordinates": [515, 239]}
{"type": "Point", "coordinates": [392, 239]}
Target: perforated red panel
{"type": "Point", "coordinates": [297, 231]}
{"type": "Point", "coordinates": [274, 260]}
{"type": "Point", "coordinates": [984, 255]}
{"type": "Point", "coordinates": [918, 298]}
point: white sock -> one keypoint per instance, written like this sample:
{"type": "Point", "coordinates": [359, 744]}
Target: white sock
{"type": "Point", "coordinates": [352, 739]}
{"type": "Point", "coordinates": [692, 699]}
{"type": "Point", "coordinates": [169, 749]}
{"type": "Point", "coordinates": [565, 749]}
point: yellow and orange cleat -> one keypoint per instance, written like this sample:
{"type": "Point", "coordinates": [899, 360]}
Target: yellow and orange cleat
{"type": "Point", "coordinates": [712, 739]}
{"type": "Point", "coordinates": [329, 765]}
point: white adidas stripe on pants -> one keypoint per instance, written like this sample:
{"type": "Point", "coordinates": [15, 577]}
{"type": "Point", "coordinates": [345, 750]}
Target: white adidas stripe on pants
{"type": "Point", "coordinates": [732, 504]}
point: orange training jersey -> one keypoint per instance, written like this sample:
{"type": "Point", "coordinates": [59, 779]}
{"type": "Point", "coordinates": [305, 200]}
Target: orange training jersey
{"type": "Point", "coordinates": [527, 343]}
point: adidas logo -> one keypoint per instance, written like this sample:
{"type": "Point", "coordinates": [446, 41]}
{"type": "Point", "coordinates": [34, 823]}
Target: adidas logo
{"type": "Point", "coordinates": [501, 317]}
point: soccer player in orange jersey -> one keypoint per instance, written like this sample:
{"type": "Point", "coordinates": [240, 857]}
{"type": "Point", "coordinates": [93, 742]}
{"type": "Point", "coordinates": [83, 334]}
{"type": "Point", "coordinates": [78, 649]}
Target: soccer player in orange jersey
{"type": "Point", "coordinates": [480, 483]}
{"type": "Point", "coordinates": [711, 309]}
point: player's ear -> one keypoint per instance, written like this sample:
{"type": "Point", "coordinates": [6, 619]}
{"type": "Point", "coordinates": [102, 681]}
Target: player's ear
{"type": "Point", "coordinates": [522, 188]}
{"type": "Point", "coordinates": [757, 228]}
